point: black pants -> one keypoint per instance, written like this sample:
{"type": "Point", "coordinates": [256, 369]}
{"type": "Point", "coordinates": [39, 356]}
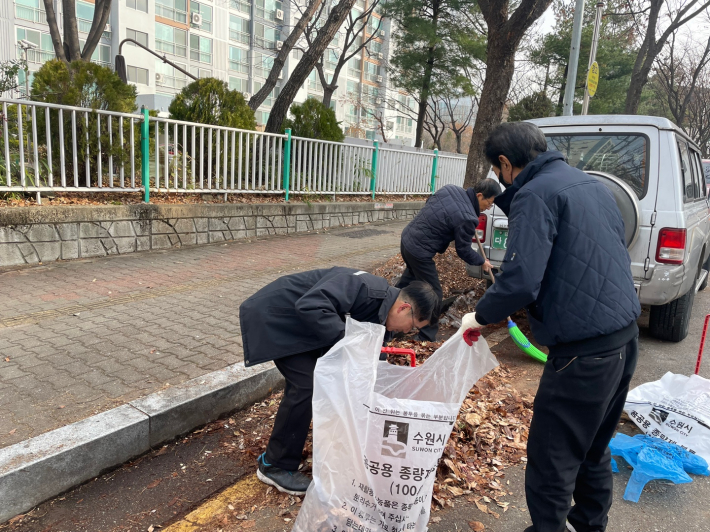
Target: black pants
{"type": "Point", "coordinates": [421, 270]}
{"type": "Point", "coordinates": [576, 410]}
{"type": "Point", "coordinates": [293, 418]}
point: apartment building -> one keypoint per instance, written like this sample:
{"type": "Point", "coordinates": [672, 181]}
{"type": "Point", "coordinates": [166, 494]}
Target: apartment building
{"type": "Point", "coordinates": [232, 40]}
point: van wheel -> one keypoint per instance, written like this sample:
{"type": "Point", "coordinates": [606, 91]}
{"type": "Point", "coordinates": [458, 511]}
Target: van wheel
{"type": "Point", "coordinates": [671, 321]}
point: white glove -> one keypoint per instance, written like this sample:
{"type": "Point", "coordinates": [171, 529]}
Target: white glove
{"type": "Point", "coordinates": [468, 321]}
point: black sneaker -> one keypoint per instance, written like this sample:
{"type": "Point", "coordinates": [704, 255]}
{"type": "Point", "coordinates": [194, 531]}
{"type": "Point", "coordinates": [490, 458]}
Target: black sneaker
{"type": "Point", "coordinates": [291, 482]}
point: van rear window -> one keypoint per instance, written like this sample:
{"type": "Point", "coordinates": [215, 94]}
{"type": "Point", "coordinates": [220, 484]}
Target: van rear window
{"type": "Point", "coordinates": [621, 155]}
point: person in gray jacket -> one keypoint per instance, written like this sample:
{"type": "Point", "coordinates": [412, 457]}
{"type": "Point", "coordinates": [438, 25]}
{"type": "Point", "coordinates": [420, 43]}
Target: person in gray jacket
{"type": "Point", "coordinates": [297, 319]}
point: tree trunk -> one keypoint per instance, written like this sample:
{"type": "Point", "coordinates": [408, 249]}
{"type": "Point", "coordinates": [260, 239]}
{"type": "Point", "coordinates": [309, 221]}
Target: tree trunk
{"type": "Point", "coordinates": [500, 65]}
{"type": "Point", "coordinates": [71, 31]}
{"type": "Point", "coordinates": [561, 98]}
{"type": "Point", "coordinates": [306, 64]}
{"type": "Point", "coordinates": [102, 10]}
{"type": "Point", "coordinates": [426, 82]}
{"type": "Point", "coordinates": [54, 30]}
{"type": "Point", "coordinates": [458, 134]}
{"type": "Point", "coordinates": [280, 59]}
{"type": "Point", "coordinates": [328, 94]}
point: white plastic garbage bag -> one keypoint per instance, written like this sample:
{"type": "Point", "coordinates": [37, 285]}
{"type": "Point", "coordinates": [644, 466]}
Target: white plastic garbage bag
{"type": "Point", "coordinates": [379, 431]}
{"type": "Point", "coordinates": [675, 409]}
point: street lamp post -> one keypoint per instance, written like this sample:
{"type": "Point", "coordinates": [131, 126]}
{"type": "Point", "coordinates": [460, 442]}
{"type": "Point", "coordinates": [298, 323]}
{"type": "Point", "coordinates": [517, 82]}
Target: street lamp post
{"type": "Point", "coordinates": [592, 54]}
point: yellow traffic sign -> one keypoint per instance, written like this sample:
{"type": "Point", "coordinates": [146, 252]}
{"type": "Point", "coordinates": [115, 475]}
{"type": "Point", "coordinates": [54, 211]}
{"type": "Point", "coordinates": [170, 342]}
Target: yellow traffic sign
{"type": "Point", "coordinates": [593, 79]}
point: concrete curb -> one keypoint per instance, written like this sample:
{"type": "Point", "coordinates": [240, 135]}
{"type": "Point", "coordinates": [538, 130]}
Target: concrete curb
{"type": "Point", "coordinates": [42, 467]}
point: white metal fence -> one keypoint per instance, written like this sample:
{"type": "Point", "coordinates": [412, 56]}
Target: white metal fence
{"type": "Point", "coordinates": [48, 147]}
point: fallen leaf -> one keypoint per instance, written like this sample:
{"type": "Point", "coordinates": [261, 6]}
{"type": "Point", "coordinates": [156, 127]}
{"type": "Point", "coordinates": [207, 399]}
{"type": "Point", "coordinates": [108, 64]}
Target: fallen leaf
{"type": "Point", "coordinates": [7, 359]}
{"type": "Point", "coordinates": [476, 526]}
{"type": "Point", "coordinates": [154, 483]}
{"type": "Point", "coordinates": [151, 528]}
{"type": "Point", "coordinates": [12, 431]}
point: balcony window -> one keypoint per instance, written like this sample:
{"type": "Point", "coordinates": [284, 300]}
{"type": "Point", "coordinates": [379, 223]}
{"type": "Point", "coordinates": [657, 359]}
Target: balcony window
{"type": "Point", "coordinates": [101, 55]}
{"type": "Point", "coordinates": [355, 67]}
{"type": "Point", "coordinates": [137, 75]}
{"type": "Point", "coordinates": [200, 49]}
{"type": "Point", "coordinates": [238, 84]}
{"type": "Point", "coordinates": [44, 51]}
{"type": "Point", "coordinates": [169, 77]}
{"type": "Point", "coordinates": [201, 72]}
{"type": "Point", "coordinates": [170, 40]}
{"type": "Point", "coordinates": [206, 12]}
{"type": "Point", "coordinates": [331, 59]}
{"type": "Point", "coordinates": [372, 72]}
{"type": "Point", "coordinates": [271, 98]}
{"type": "Point", "coordinates": [238, 60]}
{"type": "Point", "coordinates": [314, 82]}
{"type": "Point", "coordinates": [31, 10]}
{"type": "Point", "coordinates": [353, 89]}
{"type": "Point", "coordinates": [262, 64]}
{"type": "Point", "coordinates": [137, 36]}
{"type": "Point", "coordinates": [172, 9]}
{"type": "Point", "coordinates": [266, 36]}
{"type": "Point", "coordinates": [239, 29]}
{"type": "Point", "coordinates": [240, 5]}
{"type": "Point", "coordinates": [139, 5]}
{"type": "Point", "coordinates": [267, 9]}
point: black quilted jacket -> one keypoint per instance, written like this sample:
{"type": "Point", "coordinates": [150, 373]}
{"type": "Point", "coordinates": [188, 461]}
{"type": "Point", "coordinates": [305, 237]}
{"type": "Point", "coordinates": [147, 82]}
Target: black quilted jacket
{"type": "Point", "coordinates": [450, 214]}
{"type": "Point", "coordinates": [566, 261]}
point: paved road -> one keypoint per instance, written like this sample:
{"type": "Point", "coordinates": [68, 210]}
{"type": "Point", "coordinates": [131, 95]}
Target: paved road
{"type": "Point", "coordinates": [84, 336]}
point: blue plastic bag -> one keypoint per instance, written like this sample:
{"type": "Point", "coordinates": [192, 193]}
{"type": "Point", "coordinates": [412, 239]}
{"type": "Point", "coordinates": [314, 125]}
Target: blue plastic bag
{"type": "Point", "coordinates": [654, 459]}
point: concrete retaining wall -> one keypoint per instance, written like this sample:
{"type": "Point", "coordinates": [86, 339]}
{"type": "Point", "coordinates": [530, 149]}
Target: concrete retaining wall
{"type": "Point", "coordinates": [29, 235]}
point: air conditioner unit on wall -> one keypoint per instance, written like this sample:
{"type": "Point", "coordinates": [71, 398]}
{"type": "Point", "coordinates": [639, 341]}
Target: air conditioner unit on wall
{"type": "Point", "coordinates": [379, 79]}
{"type": "Point", "coordinates": [279, 14]}
{"type": "Point", "coordinates": [158, 77]}
{"type": "Point", "coordinates": [197, 19]}
{"type": "Point", "coordinates": [247, 96]}
{"type": "Point", "coordinates": [279, 44]}
{"type": "Point", "coordinates": [380, 55]}
{"type": "Point", "coordinates": [108, 28]}
{"type": "Point", "coordinates": [378, 101]}
{"type": "Point", "coordinates": [382, 33]}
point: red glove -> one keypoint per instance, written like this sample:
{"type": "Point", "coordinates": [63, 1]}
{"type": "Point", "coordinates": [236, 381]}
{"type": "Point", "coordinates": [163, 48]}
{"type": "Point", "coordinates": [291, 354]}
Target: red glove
{"type": "Point", "coordinates": [471, 335]}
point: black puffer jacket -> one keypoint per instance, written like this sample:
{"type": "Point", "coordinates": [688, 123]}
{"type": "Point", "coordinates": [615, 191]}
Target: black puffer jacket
{"type": "Point", "coordinates": [566, 261]}
{"type": "Point", "coordinates": [449, 214]}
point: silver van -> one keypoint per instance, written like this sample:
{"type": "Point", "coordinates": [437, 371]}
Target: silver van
{"type": "Point", "coordinates": [656, 175]}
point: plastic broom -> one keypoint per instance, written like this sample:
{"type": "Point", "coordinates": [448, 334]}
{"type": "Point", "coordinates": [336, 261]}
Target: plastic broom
{"type": "Point", "coordinates": [515, 333]}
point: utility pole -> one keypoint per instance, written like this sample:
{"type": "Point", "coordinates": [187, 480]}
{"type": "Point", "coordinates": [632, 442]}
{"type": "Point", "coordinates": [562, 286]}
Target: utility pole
{"type": "Point", "coordinates": [568, 103]}
{"type": "Point", "coordinates": [592, 54]}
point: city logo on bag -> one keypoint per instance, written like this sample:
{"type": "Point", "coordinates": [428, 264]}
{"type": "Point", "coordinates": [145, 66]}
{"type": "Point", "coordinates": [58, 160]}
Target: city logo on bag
{"type": "Point", "coordinates": [395, 439]}
{"type": "Point", "coordinates": [658, 415]}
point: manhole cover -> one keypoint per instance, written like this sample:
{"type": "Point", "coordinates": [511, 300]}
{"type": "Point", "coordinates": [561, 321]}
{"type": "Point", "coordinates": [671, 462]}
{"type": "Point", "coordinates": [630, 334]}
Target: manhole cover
{"type": "Point", "coordinates": [363, 233]}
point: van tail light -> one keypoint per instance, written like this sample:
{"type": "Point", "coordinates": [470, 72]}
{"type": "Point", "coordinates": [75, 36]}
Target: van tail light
{"type": "Point", "coordinates": [671, 246]}
{"type": "Point", "coordinates": [481, 229]}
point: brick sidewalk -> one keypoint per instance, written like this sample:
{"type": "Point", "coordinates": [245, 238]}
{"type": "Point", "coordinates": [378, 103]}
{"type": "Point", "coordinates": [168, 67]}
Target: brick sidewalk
{"type": "Point", "coordinates": [89, 335]}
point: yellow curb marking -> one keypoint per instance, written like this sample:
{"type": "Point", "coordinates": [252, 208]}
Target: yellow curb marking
{"type": "Point", "coordinates": [196, 520]}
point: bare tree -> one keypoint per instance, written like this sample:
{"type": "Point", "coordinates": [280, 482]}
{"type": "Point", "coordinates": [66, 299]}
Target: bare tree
{"type": "Point", "coordinates": [698, 114]}
{"type": "Point", "coordinates": [434, 123]}
{"type": "Point", "coordinates": [459, 115]}
{"type": "Point", "coordinates": [70, 50]}
{"type": "Point", "coordinates": [335, 19]}
{"type": "Point", "coordinates": [306, 14]}
{"type": "Point", "coordinates": [678, 72]}
{"type": "Point", "coordinates": [505, 32]}
{"type": "Point", "coordinates": [354, 42]}
{"type": "Point", "coordinates": [652, 44]}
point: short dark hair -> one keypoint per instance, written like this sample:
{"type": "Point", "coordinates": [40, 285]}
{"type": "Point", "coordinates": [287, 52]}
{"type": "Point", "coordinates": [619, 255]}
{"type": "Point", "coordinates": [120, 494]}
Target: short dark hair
{"type": "Point", "coordinates": [424, 300]}
{"type": "Point", "coordinates": [488, 187]}
{"type": "Point", "coordinates": [520, 142]}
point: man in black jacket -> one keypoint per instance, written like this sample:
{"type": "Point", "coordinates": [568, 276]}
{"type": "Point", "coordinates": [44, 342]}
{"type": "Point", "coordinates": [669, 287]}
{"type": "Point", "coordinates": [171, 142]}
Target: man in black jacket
{"type": "Point", "coordinates": [450, 214]}
{"type": "Point", "coordinates": [297, 319]}
{"type": "Point", "coordinates": [566, 263]}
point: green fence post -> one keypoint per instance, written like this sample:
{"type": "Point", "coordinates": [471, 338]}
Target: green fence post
{"type": "Point", "coordinates": [287, 162]}
{"type": "Point", "coordinates": [373, 168]}
{"type": "Point", "coordinates": [145, 154]}
{"type": "Point", "coordinates": [433, 170]}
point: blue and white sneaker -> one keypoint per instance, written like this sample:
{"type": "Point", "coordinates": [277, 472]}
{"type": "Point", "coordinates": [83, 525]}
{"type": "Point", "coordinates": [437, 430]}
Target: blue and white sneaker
{"type": "Point", "coordinates": [291, 482]}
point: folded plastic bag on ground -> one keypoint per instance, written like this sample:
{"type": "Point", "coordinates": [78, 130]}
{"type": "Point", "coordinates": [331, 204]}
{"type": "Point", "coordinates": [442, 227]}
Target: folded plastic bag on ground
{"type": "Point", "coordinates": [675, 409]}
{"type": "Point", "coordinates": [654, 459]}
{"type": "Point", "coordinates": [379, 431]}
